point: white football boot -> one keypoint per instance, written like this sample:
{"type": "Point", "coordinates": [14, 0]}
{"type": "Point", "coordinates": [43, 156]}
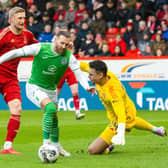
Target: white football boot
{"type": "Point", "coordinates": [80, 116]}
{"type": "Point", "coordinates": [62, 151]}
{"type": "Point", "coordinates": [161, 131]}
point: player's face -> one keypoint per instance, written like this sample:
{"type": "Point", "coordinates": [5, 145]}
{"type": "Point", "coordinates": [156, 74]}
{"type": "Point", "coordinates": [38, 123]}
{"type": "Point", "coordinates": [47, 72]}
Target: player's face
{"type": "Point", "coordinates": [18, 20]}
{"type": "Point", "coordinates": [61, 44]}
{"type": "Point", "coordinates": [95, 76]}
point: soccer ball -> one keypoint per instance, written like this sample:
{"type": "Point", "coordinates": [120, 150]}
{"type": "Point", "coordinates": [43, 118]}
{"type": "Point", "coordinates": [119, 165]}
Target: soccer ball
{"type": "Point", "coordinates": [48, 153]}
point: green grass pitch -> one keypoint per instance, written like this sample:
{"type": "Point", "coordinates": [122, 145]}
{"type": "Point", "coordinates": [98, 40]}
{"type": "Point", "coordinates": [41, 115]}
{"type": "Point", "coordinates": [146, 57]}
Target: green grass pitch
{"type": "Point", "coordinates": [142, 150]}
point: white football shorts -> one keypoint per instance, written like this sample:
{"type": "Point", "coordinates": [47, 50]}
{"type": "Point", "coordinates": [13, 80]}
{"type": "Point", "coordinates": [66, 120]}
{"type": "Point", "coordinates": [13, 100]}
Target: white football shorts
{"type": "Point", "coordinates": [36, 94]}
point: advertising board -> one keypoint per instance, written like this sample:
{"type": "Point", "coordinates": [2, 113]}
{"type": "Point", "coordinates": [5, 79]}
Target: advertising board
{"type": "Point", "coordinates": [146, 82]}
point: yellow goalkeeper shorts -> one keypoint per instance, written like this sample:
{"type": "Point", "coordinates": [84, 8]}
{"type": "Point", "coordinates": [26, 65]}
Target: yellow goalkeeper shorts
{"type": "Point", "coordinates": [111, 128]}
{"type": "Point", "coordinates": [109, 132]}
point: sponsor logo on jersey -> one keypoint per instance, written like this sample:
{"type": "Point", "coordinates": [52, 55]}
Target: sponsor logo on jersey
{"type": "Point", "coordinates": [44, 57]}
{"type": "Point", "coordinates": [52, 68]}
{"type": "Point", "coordinates": [48, 73]}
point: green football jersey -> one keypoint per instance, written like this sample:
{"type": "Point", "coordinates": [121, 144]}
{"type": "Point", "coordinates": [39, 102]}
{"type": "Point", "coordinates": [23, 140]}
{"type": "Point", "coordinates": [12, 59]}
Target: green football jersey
{"type": "Point", "coordinates": [49, 67]}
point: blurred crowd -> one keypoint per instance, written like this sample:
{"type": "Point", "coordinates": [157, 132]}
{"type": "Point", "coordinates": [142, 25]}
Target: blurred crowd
{"type": "Point", "coordinates": [99, 27]}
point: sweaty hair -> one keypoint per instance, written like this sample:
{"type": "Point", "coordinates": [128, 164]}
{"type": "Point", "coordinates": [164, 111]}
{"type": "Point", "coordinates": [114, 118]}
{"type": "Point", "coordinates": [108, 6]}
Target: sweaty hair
{"type": "Point", "coordinates": [15, 10]}
{"type": "Point", "coordinates": [64, 33]}
{"type": "Point", "coordinates": [99, 66]}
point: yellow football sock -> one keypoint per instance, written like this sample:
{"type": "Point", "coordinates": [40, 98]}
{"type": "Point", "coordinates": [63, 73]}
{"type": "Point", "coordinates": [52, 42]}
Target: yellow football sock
{"type": "Point", "coordinates": [142, 124]}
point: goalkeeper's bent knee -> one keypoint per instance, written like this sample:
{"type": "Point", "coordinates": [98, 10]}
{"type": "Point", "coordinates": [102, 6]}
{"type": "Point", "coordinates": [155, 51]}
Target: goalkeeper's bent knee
{"type": "Point", "coordinates": [50, 108]}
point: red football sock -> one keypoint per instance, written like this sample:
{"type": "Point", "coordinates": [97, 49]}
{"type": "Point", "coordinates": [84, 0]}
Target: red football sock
{"type": "Point", "coordinates": [13, 127]}
{"type": "Point", "coordinates": [76, 101]}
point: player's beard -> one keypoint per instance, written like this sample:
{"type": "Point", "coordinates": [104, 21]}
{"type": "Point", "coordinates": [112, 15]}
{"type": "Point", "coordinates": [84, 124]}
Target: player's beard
{"type": "Point", "coordinates": [60, 50]}
{"type": "Point", "coordinates": [63, 50]}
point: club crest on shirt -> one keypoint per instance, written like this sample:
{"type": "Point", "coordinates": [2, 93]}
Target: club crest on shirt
{"type": "Point", "coordinates": [103, 95]}
{"type": "Point", "coordinates": [64, 61]}
{"type": "Point", "coordinates": [12, 41]}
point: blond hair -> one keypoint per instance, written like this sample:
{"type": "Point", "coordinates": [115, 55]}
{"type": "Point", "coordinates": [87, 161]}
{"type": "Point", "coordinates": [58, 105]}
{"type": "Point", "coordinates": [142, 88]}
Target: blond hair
{"type": "Point", "coordinates": [15, 10]}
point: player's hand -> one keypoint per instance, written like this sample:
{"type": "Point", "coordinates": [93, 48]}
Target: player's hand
{"type": "Point", "coordinates": [92, 90]}
{"type": "Point", "coordinates": [119, 138]}
{"type": "Point", "coordinates": [70, 45]}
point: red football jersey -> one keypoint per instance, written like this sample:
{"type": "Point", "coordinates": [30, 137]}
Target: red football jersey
{"type": "Point", "coordinates": [10, 41]}
{"type": "Point", "coordinates": [70, 78]}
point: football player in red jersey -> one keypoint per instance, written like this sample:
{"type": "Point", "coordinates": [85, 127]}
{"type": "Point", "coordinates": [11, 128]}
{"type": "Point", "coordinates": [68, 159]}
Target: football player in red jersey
{"type": "Point", "coordinates": [12, 37]}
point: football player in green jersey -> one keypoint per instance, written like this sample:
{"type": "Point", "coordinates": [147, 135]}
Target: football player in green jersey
{"type": "Point", "coordinates": [49, 65]}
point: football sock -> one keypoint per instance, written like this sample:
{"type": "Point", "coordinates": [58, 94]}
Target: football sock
{"type": "Point", "coordinates": [76, 103]}
{"type": "Point", "coordinates": [7, 145]}
{"type": "Point", "coordinates": [13, 127]}
{"type": "Point", "coordinates": [46, 141]}
{"type": "Point", "coordinates": [55, 130]}
{"type": "Point", "coordinates": [50, 110]}
{"type": "Point", "coordinates": [155, 129]}
{"type": "Point", "coordinates": [108, 149]}
{"type": "Point", "coordinates": [55, 144]}
{"type": "Point", "coordinates": [77, 111]}
{"type": "Point", "coordinates": [142, 124]}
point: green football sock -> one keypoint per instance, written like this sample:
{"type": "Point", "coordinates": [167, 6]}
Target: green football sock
{"type": "Point", "coordinates": [50, 110]}
{"type": "Point", "coordinates": [55, 130]}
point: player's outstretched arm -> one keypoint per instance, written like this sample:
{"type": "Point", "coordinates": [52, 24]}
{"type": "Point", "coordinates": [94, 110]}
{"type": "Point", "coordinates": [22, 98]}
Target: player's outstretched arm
{"type": "Point", "coordinates": [11, 54]}
{"type": "Point", "coordinates": [119, 110]}
{"type": "Point", "coordinates": [84, 66]}
{"type": "Point", "coordinates": [21, 52]}
{"type": "Point", "coordinates": [74, 65]}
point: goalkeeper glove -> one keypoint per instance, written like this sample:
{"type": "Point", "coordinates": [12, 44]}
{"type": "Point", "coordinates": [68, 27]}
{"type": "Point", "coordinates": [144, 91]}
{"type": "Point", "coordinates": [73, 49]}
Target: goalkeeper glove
{"type": "Point", "coordinates": [119, 138]}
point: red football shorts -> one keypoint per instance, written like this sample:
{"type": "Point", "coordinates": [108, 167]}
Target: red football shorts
{"type": "Point", "coordinates": [10, 89]}
{"type": "Point", "coordinates": [69, 77]}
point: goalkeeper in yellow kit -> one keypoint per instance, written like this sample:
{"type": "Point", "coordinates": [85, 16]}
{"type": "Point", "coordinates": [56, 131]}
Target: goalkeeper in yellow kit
{"type": "Point", "coordinates": [120, 109]}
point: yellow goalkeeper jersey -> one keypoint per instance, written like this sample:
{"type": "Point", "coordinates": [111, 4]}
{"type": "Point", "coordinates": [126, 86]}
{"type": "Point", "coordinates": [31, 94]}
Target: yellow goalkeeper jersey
{"type": "Point", "coordinates": [114, 97]}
